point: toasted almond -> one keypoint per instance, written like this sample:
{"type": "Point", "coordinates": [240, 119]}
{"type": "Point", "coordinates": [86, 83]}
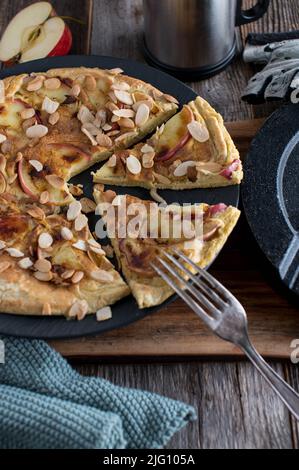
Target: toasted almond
{"type": "Point", "coordinates": [156, 94]}
{"type": "Point", "coordinates": [80, 245]}
{"type": "Point", "coordinates": [66, 233]}
{"type": "Point", "coordinates": [78, 310]}
{"type": "Point", "coordinates": [35, 84]}
{"type": "Point", "coordinates": [133, 165]}
{"type": "Point", "coordinates": [124, 97]}
{"type": "Point", "coordinates": [142, 115]}
{"type": "Point", "coordinates": [55, 181]}
{"type": "Point", "coordinates": [88, 205]}
{"type": "Point", "coordinates": [2, 163]}
{"type": "Point", "coordinates": [111, 106]}
{"type": "Point", "coordinates": [116, 71]}
{"type": "Point", "coordinates": [90, 83]}
{"type": "Point", "coordinates": [141, 96]}
{"type": "Point", "coordinates": [3, 138]}
{"type": "Point", "coordinates": [36, 213]}
{"type": "Point", "coordinates": [77, 277]}
{"type": "Point", "coordinates": [107, 127]}
{"type": "Point", "coordinates": [28, 123]}
{"type": "Point", "coordinates": [148, 160]}
{"type": "Point", "coordinates": [6, 147]}
{"type": "Point", "coordinates": [25, 263]}
{"type": "Point", "coordinates": [73, 210]}
{"type": "Point", "coordinates": [115, 119]}
{"type": "Point", "coordinates": [50, 106]}
{"type": "Point", "coordinates": [4, 266]}
{"type": "Point", "coordinates": [198, 131]}
{"type": "Point", "coordinates": [54, 118]}
{"type": "Point", "coordinates": [127, 123]}
{"type": "Point", "coordinates": [91, 128]}
{"type": "Point", "coordinates": [84, 115]}
{"type": "Point", "coordinates": [124, 113]}
{"type": "Point", "coordinates": [88, 134]}
{"type": "Point", "coordinates": [27, 113]}
{"type": "Point", "coordinates": [112, 96]}
{"type": "Point", "coordinates": [76, 90]}
{"type": "Point", "coordinates": [44, 197]}
{"type": "Point", "coordinates": [104, 314]}
{"type": "Point", "coordinates": [125, 136]}
{"type": "Point", "coordinates": [2, 92]}
{"type": "Point", "coordinates": [147, 149]}
{"type": "Point", "coordinates": [170, 98]}
{"type": "Point", "coordinates": [182, 169]}
{"type": "Point", "coordinates": [120, 86]}
{"type": "Point", "coordinates": [113, 133]}
{"type": "Point", "coordinates": [43, 265]}
{"type": "Point", "coordinates": [161, 179]}
{"type": "Point", "coordinates": [112, 161]}
{"type": "Point", "coordinates": [37, 131]}
{"type": "Point", "coordinates": [101, 115]}
{"type": "Point", "coordinates": [47, 310]}
{"type": "Point", "coordinates": [80, 222]}
{"type": "Point", "coordinates": [209, 167]}
{"type": "Point", "coordinates": [52, 83]}
{"type": "Point", "coordinates": [44, 277]}
{"type": "Point", "coordinates": [137, 105]}
{"type": "Point", "coordinates": [75, 190]}
{"type": "Point", "coordinates": [101, 275]}
{"type": "Point", "coordinates": [14, 252]}
{"type": "Point", "coordinates": [67, 274]}
{"type": "Point", "coordinates": [104, 141]}
{"type": "Point", "coordinates": [36, 165]}
{"type": "Point", "coordinates": [45, 240]}
{"type": "Point", "coordinates": [2, 244]}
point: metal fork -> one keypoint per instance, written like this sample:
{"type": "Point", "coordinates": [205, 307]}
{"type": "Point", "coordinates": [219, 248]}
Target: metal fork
{"type": "Point", "coordinates": [222, 312]}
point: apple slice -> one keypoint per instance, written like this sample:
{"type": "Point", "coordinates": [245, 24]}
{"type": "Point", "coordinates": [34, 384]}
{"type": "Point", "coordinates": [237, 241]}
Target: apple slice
{"type": "Point", "coordinates": [175, 135]}
{"type": "Point", "coordinates": [71, 157]}
{"type": "Point", "coordinates": [10, 113]}
{"type": "Point", "coordinates": [25, 180]}
{"type": "Point", "coordinates": [35, 32]}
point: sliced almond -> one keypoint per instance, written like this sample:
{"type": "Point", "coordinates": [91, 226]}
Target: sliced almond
{"type": "Point", "coordinates": [78, 310]}
{"type": "Point", "coordinates": [101, 275]}
{"type": "Point", "coordinates": [28, 123]}
{"type": "Point", "coordinates": [124, 97]}
{"type": "Point", "coordinates": [170, 98]}
{"type": "Point", "coordinates": [208, 167]}
{"type": "Point", "coordinates": [47, 310]}
{"type": "Point", "coordinates": [25, 263]}
{"type": "Point", "coordinates": [37, 131]}
{"type": "Point", "coordinates": [14, 252]}
{"type": "Point", "coordinates": [116, 71]}
{"type": "Point", "coordinates": [133, 165]}
{"type": "Point", "coordinates": [104, 141]}
{"type": "Point", "coordinates": [125, 136]}
{"type": "Point", "coordinates": [45, 240]}
{"type": "Point", "coordinates": [2, 245]}
{"type": "Point", "coordinates": [112, 161]}
{"type": "Point", "coordinates": [36, 213]}
{"type": "Point", "coordinates": [50, 106]}
{"type": "Point", "coordinates": [147, 148]}
{"type": "Point", "coordinates": [76, 90]}
{"type": "Point", "coordinates": [67, 274]}
{"type": "Point", "coordinates": [80, 222]}
{"type": "Point", "coordinates": [73, 210]}
{"type": "Point", "coordinates": [88, 134]}
{"type": "Point", "coordinates": [52, 83]}
{"type": "Point", "coordinates": [107, 127]}
{"type": "Point", "coordinates": [104, 314]}
{"type": "Point", "coordinates": [27, 113]}
{"type": "Point", "coordinates": [44, 277]}
{"type": "Point", "coordinates": [91, 128]}
{"type": "Point", "coordinates": [101, 116]}
{"type": "Point", "coordinates": [182, 169]}
{"type": "Point", "coordinates": [4, 266]}
{"type": "Point", "coordinates": [127, 123]}
{"type": "Point", "coordinates": [66, 233]}
{"type": "Point", "coordinates": [120, 86]}
{"type": "Point", "coordinates": [44, 197]}
{"type": "Point", "coordinates": [55, 181]}
{"type": "Point", "coordinates": [156, 94]}
{"type": "Point", "coordinates": [113, 133]}
{"type": "Point", "coordinates": [142, 115]}
{"type": "Point", "coordinates": [90, 83]}
{"type": "Point", "coordinates": [88, 206]}
{"type": "Point", "coordinates": [43, 265]}
{"type": "Point", "coordinates": [3, 138]}
{"type": "Point", "coordinates": [198, 131]}
{"type": "Point", "coordinates": [38, 166]}
{"type": "Point", "coordinates": [84, 115]}
{"type": "Point", "coordinates": [161, 179]}
{"type": "Point", "coordinates": [2, 92]}
{"type": "Point", "coordinates": [111, 106]}
{"type": "Point", "coordinates": [112, 96]}
{"type": "Point", "coordinates": [148, 160]}
{"type": "Point", "coordinates": [115, 119]}
{"type": "Point", "coordinates": [35, 84]}
{"type": "Point", "coordinates": [54, 118]}
{"type": "Point", "coordinates": [77, 277]}
{"type": "Point", "coordinates": [124, 113]}
{"type": "Point", "coordinates": [137, 105]}
{"type": "Point", "coordinates": [75, 190]}
{"type": "Point", "coordinates": [6, 147]}
{"type": "Point", "coordinates": [80, 245]}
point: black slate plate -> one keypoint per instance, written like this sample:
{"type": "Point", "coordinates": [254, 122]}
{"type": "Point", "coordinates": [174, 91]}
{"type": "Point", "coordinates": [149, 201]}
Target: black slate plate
{"type": "Point", "coordinates": [271, 192]}
{"type": "Point", "coordinates": [125, 311]}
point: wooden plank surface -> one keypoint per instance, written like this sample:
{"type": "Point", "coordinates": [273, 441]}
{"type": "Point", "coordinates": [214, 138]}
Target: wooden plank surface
{"type": "Point", "coordinates": [236, 408]}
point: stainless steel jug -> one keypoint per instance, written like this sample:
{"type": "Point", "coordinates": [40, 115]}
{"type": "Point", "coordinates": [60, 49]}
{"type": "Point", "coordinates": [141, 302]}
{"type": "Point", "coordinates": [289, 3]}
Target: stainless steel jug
{"type": "Point", "coordinates": [194, 39]}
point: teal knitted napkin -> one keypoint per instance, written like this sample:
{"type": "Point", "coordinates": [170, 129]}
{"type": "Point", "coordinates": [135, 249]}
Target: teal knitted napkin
{"type": "Point", "coordinates": [45, 404]}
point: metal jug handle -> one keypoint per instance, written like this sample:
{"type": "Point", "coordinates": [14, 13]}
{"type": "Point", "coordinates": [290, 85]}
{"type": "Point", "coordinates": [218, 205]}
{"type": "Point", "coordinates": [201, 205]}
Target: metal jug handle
{"type": "Point", "coordinates": [253, 14]}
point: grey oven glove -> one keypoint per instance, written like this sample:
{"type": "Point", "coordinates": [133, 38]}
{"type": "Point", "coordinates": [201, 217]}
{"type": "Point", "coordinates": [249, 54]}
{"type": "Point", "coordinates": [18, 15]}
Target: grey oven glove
{"type": "Point", "coordinates": [279, 80]}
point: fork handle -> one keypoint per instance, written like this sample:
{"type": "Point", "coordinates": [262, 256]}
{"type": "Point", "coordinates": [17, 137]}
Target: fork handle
{"type": "Point", "coordinates": [280, 387]}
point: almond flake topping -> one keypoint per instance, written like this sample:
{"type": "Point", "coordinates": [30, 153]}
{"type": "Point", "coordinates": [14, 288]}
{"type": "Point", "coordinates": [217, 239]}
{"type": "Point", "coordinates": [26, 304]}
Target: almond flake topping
{"type": "Point", "coordinates": [14, 252]}
{"type": "Point", "coordinates": [107, 127]}
{"type": "Point", "coordinates": [66, 233]}
{"type": "Point", "coordinates": [91, 128]}
{"type": "Point", "coordinates": [54, 118]}
{"type": "Point", "coordinates": [84, 115]}
{"type": "Point", "coordinates": [76, 90]}
{"type": "Point", "coordinates": [55, 181]}
{"type": "Point", "coordinates": [124, 97]}
{"type": "Point", "coordinates": [88, 206]}
{"type": "Point", "coordinates": [182, 169]}
{"type": "Point", "coordinates": [80, 222]}
{"type": "Point", "coordinates": [147, 148]}
{"type": "Point", "coordinates": [2, 92]}
{"type": "Point", "coordinates": [73, 210]}
{"type": "Point", "coordinates": [37, 131]}
{"type": "Point", "coordinates": [4, 266]}
{"type": "Point", "coordinates": [120, 86]}
{"type": "Point", "coordinates": [47, 310]}
{"type": "Point", "coordinates": [127, 123]}
{"type": "Point", "coordinates": [116, 71]}
{"type": "Point", "coordinates": [67, 274]}
{"type": "Point", "coordinates": [77, 277]}
{"type": "Point", "coordinates": [36, 213]}
{"type": "Point", "coordinates": [148, 160]}
{"type": "Point", "coordinates": [90, 83]}
{"type": "Point", "coordinates": [170, 98]}
{"type": "Point", "coordinates": [49, 105]}
{"type": "Point", "coordinates": [2, 245]}
{"type": "Point", "coordinates": [43, 265]}
{"type": "Point", "coordinates": [79, 309]}
{"type": "Point", "coordinates": [44, 197]}
{"type": "Point", "coordinates": [36, 165]}
{"type": "Point", "coordinates": [124, 113]}
{"type": "Point", "coordinates": [198, 131]}
{"type": "Point", "coordinates": [133, 165]}
{"type": "Point", "coordinates": [125, 136]}
{"type": "Point", "coordinates": [27, 113]}
{"type": "Point", "coordinates": [52, 83]}
{"type": "Point", "coordinates": [44, 277]}
{"type": "Point", "coordinates": [80, 245]}
{"type": "Point", "coordinates": [112, 161]}
{"type": "Point", "coordinates": [142, 115]}
{"type": "Point", "coordinates": [88, 134]}
{"type": "Point", "coordinates": [101, 275]}
{"type": "Point", "coordinates": [104, 140]}
{"type": "Point", "coordinates": [3, 138]}
{"type": "Point", "coordinates": [45, 240]}
{"type": "Point", "coordinates": [35, 84]}
{"type": "Point", "coordinates": [104, 314]}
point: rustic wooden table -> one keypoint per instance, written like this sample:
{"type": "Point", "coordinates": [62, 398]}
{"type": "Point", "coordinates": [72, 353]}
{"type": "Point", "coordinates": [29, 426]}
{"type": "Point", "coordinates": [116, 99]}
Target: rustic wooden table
{"type": "Point", "coordinates": [235, 407]}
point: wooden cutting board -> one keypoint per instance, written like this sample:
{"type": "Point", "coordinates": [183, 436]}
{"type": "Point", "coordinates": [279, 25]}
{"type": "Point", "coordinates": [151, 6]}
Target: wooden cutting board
{"type": "Point", "coordinates": [175, 332]}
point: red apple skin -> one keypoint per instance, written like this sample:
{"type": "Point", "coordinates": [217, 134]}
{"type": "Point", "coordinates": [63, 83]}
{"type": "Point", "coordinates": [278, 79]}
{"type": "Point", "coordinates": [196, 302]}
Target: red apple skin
{"type": "Point", "coordinates": [171, 153]}
{"type": "Point", "coordinates": [22, 181]}
{"type": "Point", "coordinates": [64, 45]}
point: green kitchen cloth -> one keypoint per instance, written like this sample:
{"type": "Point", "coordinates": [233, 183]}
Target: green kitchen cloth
{"type": "Point", "coordinates": [45, 404]}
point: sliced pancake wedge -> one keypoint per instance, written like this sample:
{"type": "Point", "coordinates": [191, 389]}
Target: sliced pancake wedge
{"type": "Point", "coordinates": [139, 245]}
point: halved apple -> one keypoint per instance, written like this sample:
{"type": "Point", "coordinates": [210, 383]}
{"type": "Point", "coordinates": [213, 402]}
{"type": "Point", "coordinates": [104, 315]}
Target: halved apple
{"type": "Point", "coordinates": [175, 135]}
{"type": "Point", "coordinates": [34, 33]}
